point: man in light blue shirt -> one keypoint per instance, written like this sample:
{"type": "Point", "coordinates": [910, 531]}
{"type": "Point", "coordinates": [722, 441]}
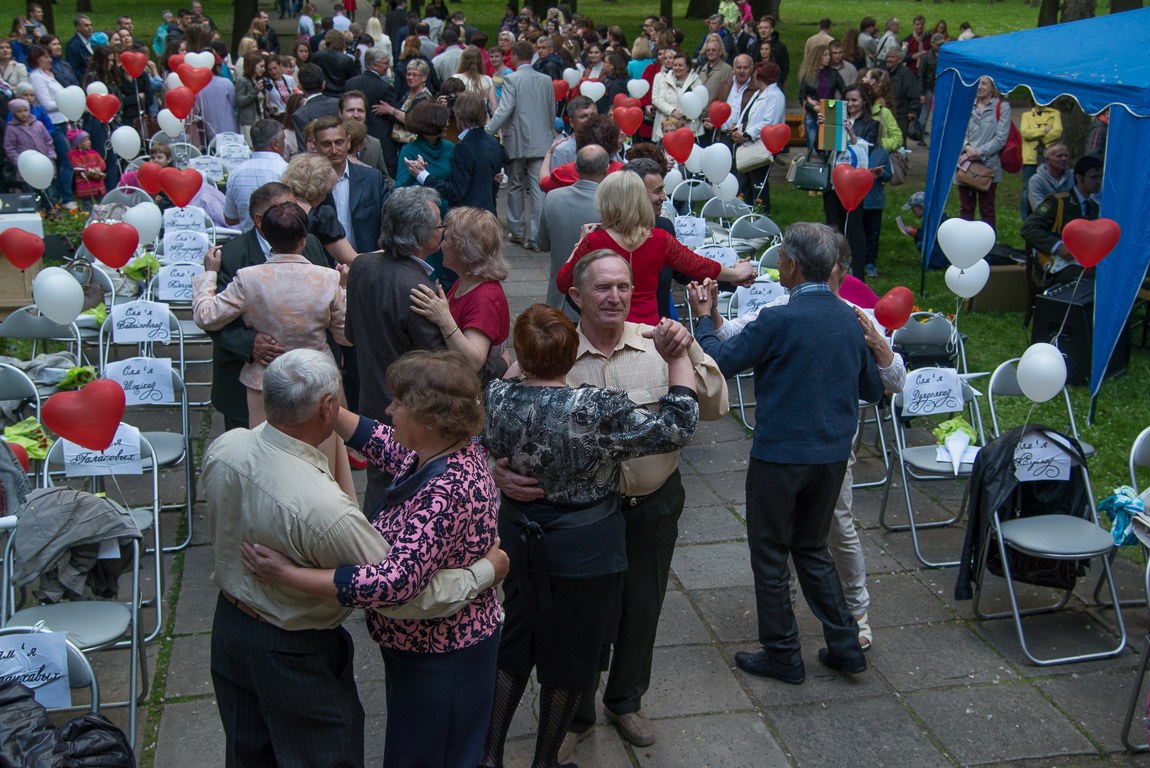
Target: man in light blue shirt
{"type": "Point", "coordinates": [266, 164]}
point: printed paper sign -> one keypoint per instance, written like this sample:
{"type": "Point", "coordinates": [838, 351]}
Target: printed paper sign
{"type": "Point", "coordinates": [1039, 457]}
{"type": "Point", "coordinates": [174, 283]}
{"type": "Point", "coordinates": [212, 168]}
{"type": "Point", "coordinates": [39, 660]}
{"type": "Point", "coordinates": [189, 217]}
{"type": "Point", "coordinates": [760, 294]}
{"type": "Point", "coordinates": [691, 231]}
{"type": "Point", "coordinates": [146, 380]}
{"type": "Point", "coordinates": [122, 457]}
{"type": "Point", "coordinates": [931, 390]}
{"type": "Point", "coordinates": [724, 255]}
{"type": "Point", "coordinates": [134, 322]}
{"type": "Point", "coordinates": [185, 245]}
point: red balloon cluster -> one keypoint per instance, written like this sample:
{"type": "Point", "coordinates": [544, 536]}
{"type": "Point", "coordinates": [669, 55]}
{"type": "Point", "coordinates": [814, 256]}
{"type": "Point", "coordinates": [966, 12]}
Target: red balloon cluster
{"type": "Point", "coordinates": [180, 101]}
{"type": "Point", "coordinates": [851, 185]}
{"type": "Point", "coordinates": [623, 100]}
{"type": "Point", "coordinates": [148, 175]}
{"type": "Point", "coordinates": [113, 244]}
{"type": "Point", "coordinates": [561, 88]}
{"type": "Point", "coordinates": [175, 61]}
{"type": "Point", "coordinates": [89, 417]}
{"type": "Point", "coordinates": [180, 186]}
{"type": "Point", "coordinates": [893, 309]}
{"type": "Point", "coordinates": [679, 143]}
{"type": "Point", "coordinates": [21, 248]}
{"type": "Point", "coordinates": [1090, 241]}
{"type": "Point", "coordinates": [103, 106]}
{"type": "Point", "coordinates": [195, 78]}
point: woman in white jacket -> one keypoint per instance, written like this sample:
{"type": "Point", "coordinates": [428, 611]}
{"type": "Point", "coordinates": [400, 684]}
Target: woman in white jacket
{"type": "Point", "coordinates": [668, 93]}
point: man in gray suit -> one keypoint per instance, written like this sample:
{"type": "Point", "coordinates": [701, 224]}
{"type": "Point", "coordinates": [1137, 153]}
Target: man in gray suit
{"type": "Point", "coordinates": [526, 113]}
{"type": "Point", "coordinates": [565, 211]}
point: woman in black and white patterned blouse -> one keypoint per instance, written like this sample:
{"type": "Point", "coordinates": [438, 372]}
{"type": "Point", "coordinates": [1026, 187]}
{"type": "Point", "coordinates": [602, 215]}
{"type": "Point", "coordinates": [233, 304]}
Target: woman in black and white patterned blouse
{"type": "Point", "coordinates": [568, 555]}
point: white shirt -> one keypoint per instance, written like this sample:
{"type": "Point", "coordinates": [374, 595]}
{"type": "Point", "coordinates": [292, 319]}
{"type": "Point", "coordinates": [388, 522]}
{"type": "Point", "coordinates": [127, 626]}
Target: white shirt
{"type": "Point", "coordinates": [261, 168]}
{"type": "Point", "coordinates": [265, 246]}
{"type": "Point", "coordinates": [769, 109]}
{"type": "Point", "coordinates": [735, 100]}
{"type": "Point", "coordinates": [341, 193]}
{"type": "Point", "coordinates": [340, 22]}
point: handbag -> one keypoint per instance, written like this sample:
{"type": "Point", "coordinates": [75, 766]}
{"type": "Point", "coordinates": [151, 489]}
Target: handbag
{"type": "Point", "coordinates": [900, 168]}
{"type": "Point", "coordinates": [401, 135]}
{"type": "Point", "coordinates": [751, 156]}
{"type": "Point", "coordinates": [813, 175]}
{"type": "Point", "coordinates": [976, 176]}
{"type": "Point", "coordinates": [914, 130]}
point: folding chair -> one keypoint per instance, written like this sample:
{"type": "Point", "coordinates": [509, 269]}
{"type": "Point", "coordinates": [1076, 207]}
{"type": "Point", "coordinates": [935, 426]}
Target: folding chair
{"type": "Point", "coordinates": [182, 152]}
{"type": "Point", "coordinates": [172, 285]}
{"type": "Point", "coordinates": [1004, 383]}
{"type": "Point", "coordinates": [90, 625]}
{"type": "Point", "coordinates": [1139, 457]}
{"type": "Point", "coordinates": [929, 339]}
{"type": "Point", "coordinates": [921, 463]}
{"type": "Point", "coordinates": [720, 213]}
{"type": "Point", "coordinates": [880, 441]}
{"type": "Point", "coordinates": [16, 385]}
{"type": "Point", "coordinates": [80, 672]}
{"type": "Point", "coordinates": [691, 191]}
{"type": "Point", "coordinates": [747, 300]}
{"type": "Point", "coordinates": [1052, 537]}
{"type": "Point", "coordinates": [28, 323]}
{"type": "Point", "coordinates": [769, 259]}
{"type": "Point", "coordinates": [753, 232]}
{"type": "Point", "coordinates": [128, 196]}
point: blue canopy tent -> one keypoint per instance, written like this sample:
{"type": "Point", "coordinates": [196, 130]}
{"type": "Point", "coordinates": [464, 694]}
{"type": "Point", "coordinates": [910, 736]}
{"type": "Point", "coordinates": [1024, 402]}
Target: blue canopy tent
{"type": "Point", "coordinates": [1097, 62]}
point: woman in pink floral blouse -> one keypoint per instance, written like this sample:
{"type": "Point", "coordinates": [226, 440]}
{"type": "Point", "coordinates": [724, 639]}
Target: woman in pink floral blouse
{"type": "Point", "coordinates": [441, 511]}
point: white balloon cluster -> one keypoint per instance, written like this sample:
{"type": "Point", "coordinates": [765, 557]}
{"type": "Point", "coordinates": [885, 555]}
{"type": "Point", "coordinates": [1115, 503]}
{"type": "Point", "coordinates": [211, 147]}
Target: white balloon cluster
{"type": "Point", "coordinates": [965, 243]}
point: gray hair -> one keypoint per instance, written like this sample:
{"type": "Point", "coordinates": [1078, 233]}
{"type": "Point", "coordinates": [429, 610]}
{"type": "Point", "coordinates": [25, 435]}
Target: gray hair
{"type": "Point", "coordinates": [891, 22]}
{"type": "Point", "coordinates": [373, 56]}
{"type": "Point", "coordinates": [813, 248]}
{"type": "Point", "coordinates": [418, 65]}
{"type": "Point", "coordinates": [583, 266]}
{"type": "Point", "coordinates": [264, 132]}
{"type": "Point", "coordinates": [408, 219]}
{"type": "Point", "coordinates": [645, 166]}
{"type": "Point", "coordinates": [592, 162]}
{"type": "Point", "coordinates": [295, 383]}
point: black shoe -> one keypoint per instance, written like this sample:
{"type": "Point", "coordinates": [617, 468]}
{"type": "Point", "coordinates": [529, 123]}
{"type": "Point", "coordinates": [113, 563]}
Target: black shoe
{"type": "Point", "coordinates": [854, 665]}
{"type": "Point", "coordinates": [762, 665]}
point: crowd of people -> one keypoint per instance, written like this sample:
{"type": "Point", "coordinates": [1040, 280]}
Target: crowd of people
{"type": "Point", "coordinates": [359, 321]}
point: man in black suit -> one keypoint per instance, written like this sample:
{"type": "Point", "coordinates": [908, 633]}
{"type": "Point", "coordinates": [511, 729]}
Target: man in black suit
{"type": "Point", "coordinates": [337, 66]}
{"type": "Point", "coordinates": [325, 25]}
{"type": "Point", "coordinates": [465, 29]}
{"type": "Point", "coordinates": [236, 345]}
{"type": "Point", "coordinates": [315, 104]}
{"type": "Point", "coordinates": [79, 48]}
{"type": "Point", "coordinates": [477, 160]}
{"type": "Point", "coordinates": [359, 194]}
{"type": "Point", "coordinates": [378, 91]}
{"type": "Point", "coordinates": [393, 22]}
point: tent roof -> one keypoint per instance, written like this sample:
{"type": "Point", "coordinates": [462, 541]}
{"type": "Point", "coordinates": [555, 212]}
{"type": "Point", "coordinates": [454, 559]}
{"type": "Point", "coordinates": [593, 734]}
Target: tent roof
{"type": "Point", "coordinates": [1063, 59]}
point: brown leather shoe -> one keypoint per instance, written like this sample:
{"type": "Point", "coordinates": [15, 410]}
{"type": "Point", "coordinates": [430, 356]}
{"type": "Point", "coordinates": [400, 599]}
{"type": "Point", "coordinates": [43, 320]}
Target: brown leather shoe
{"type": "Point", "coordinates": [635, 727]}
{"type": "Point", "coordinates": [569, 742]}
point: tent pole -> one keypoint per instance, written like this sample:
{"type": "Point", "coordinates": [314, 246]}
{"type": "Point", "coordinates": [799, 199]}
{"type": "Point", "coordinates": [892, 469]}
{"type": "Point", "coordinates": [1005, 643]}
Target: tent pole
{"type": "Point", "coordinates": [1093, 406]}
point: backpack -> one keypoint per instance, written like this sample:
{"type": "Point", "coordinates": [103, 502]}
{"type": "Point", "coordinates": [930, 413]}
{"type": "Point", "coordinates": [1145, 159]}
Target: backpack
{"type": "Point", "coordinates": [1011, 155]}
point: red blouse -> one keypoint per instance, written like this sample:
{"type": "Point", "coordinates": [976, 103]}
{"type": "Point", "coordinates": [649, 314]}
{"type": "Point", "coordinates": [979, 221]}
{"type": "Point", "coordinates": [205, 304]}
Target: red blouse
{"type": "Point", "coordinates": [484, 308]}
{"type": "Point", "coordinates": [566, 175]}
{"type": "Point", "coordinates": [657, 251]}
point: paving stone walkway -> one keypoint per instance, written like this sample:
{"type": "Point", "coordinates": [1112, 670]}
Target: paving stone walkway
{"type": "Point", "coordinates": [943, 689]}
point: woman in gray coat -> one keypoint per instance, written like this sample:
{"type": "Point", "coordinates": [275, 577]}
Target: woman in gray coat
{"type": "Point", "coordinates": [251, 98]}
{"type": "Point", "coordinates": [986, 135]}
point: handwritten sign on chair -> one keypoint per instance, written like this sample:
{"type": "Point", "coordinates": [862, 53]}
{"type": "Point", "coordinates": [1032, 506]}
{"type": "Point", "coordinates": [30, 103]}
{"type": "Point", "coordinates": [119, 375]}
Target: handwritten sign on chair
{"type": "Point", "coordinates": [691, 231]}
{"type": "Point", "coordinates": [184, 245]}
{"type": "Point", "coordinates": [1039, 457]}
{"type": "Point", "coordinates": [189, 217]}
{"type": "Point", "coordinates": [136, 322]}
{"type": "Point", "coordinates": [931, 390]}
{"type": "Point", "coordinates": [723, 254]}
{"type": "Point", "coordinates": [761, 293]}
{"type": "Point", "coordinates": [122, 457]}
{"type": "Point", "coordinates": [211, 167]}
{"type": "Point", "coordinates": [146, 380]}
{"type": "Point", "coordinates": [39, 660]}
{"type": "Point", "coordinates": [174, 282]}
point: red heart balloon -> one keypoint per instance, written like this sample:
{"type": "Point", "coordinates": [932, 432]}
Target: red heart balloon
{"type": "Point", "coordinates": [195, 78]}
{"type": "Point", "coordinates": [678, 143]}
{"type": "Point", "coordinates": [623, 100]}
{"type": "Point", "coordinates": [113, 244]}
{"type": "Point", "coordinates": [776, 137]}
{"type": "Point", "coordinates": [1089, 242]}
{"type": "Point", "coordinates": [561, 88]}
{"type": "Point", "coordinates": [180, 101]}
{"type": "Point", "coordinates": [629, 119]}
{"type": "Point", "coordinates": [893, 309]}
{"type": "Point", "coordinates": [21, 248]}
{"type": "Point", "coordinates": [851, 185]}
{"type": "Point", "coordinates": [20, 453]}
{"type": "Point", "coordinates": [134, 62]}
{"type": "Point", "coordinates": [103, 106]}
{"type": "Point", "coordinates": [88, 418]}
{"type": "Point", "coordinates": [175, 61]}
{"type": "Point", "coordinates": [181, 186]}
{"type": "Point", "coordinates": [720, 111]}
{"type": "Point", "coordinates": [149, 177]}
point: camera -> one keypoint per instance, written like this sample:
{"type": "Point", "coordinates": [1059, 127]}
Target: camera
{"type": "Point", "coordinates": [266, 84]}
{"type": "Point", "coordinates": [451, 100]}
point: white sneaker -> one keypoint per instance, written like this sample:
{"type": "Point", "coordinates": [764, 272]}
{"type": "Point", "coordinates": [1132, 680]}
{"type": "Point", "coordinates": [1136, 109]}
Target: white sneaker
{"type": "Point", "coordinates": [569, 742]}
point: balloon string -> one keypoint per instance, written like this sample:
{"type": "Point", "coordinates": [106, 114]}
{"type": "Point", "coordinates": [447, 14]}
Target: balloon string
{"type": "Point", "coordinates": [1069, 304]}
{"type": "Point", "coordinates": [1030, 412]}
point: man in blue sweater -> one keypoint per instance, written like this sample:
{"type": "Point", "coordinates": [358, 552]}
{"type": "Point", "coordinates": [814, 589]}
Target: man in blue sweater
{"type": "Point", "coordinates": [811, 366]}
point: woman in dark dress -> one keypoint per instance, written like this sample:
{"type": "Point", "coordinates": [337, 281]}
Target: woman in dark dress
{"type": "Point", "coordinates": [312, 179]}
{"type": "Point", "coordinates": [567, 549]}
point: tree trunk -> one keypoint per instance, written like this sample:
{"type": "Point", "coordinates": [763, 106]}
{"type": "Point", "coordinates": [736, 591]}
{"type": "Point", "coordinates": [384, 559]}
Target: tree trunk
{"type": "Point", "coordinates": [1048, 13]}
{"type": "Point", "coordinates": [667, 10]}
{"type": "Point", "coordinates": [1073, 10]}
{"type": "Point", "coordinates": [49, 14]}
{"type": "Point", "coordinates": [762, 8]}
{"type": "Point", "coordinates": [701, 9]}
{"type": "Point", "coordinates": [540, 8]}
{"type": "Point", "coordinates": [1075, 125]}
{"type": "Point", "coordinates": [245, 11]}
{"type": "Point", "coordinates": [83, 6]}
{"type": "Point", "coordinates": [1117, 6]}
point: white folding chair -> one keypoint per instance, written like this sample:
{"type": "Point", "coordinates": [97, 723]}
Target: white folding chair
{"type": "Point", "coordinates": [181, 246]}
{"type": "Point", "coordinates": [931, 336]}
{"type": "Point", "coordinates": [182, 152]}
{"type": "Point", "coordinates": [128, 196]}
{"type": "Point", "coordinates": [719, 215]}
{"type": "Point", "coordinates": [172, 285]}
{"type": "Point", "coordinates": [744, 301]}
{"type": "Point", "coordinates": [1139, 457]}
{"type": "Point", "coordinates": [1004, 383]}
{"type": "Point", "coordinates": [211, 167]}
{"type": "Point", "coordinates": [28, 323]}
{"type": "Point", "coordinates": [753, 232]}
{"type": "Point", "coordinates": [225, 139]}
{"type": "Point", "coordinates": [691, 191]}
{"type": "Point", "coordinates": [80, 672]}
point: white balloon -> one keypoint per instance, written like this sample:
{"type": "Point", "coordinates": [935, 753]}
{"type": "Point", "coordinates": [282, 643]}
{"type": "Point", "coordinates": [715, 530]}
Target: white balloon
{"type": "Point", "coordinates": [58, 295]}
{"type": "Point", "coordinates": [1041, 372]}
{"type": "Point", "coordinates": [126, 142]}
{"type": "Point", "coordinates": [638, 88]}
{"type": "Point", "coordinates": [147, 219]}
{"type": "Point", "coordinates": [173, 81]}
{"type": "Point", "coordinates": [96, 87]}
{"type": "Point", "coordinates": [700, 90]}
{"type": "Point", "coordinates": [691, 105]}
{"type": "Point", "coordinates": [72, 101]}
{"type": "Point", "coordinates": [35, 168]}
{"type": "Point", "coordinates": [205, 59]}
{"type": "Point", "coordinates": [716, 162]}
{"type": "Point", "coordinates": [592, 89]}
{"type": "Point", "coordinates": [673, 179]}
{"type": "Point", "coordinates": [965, 242]}
{"type": "Point", "coordinates": [571, 77]}
{"type": "Point", "coordinates": [169, 123]}
{"type": "Point", "coordinates": [728, 190]}
{"type": "Point", "coordinates": [966, 283]}
{"type": "Point", "coordinates": [695, 159]}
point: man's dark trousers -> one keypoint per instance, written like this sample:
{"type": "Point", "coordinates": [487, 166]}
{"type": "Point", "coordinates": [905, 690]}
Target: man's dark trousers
{"type": "Point", "coordinates": [789, 511]}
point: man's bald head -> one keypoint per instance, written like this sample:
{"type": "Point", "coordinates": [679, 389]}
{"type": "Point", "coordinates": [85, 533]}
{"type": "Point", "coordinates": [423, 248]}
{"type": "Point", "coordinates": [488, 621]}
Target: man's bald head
{"type": "Point", "coordinates": [591, 163]}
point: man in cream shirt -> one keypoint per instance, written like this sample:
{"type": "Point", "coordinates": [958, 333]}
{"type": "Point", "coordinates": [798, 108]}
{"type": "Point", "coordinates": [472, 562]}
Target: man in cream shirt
{"type": "Point", "coordinates": [281, 663]}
